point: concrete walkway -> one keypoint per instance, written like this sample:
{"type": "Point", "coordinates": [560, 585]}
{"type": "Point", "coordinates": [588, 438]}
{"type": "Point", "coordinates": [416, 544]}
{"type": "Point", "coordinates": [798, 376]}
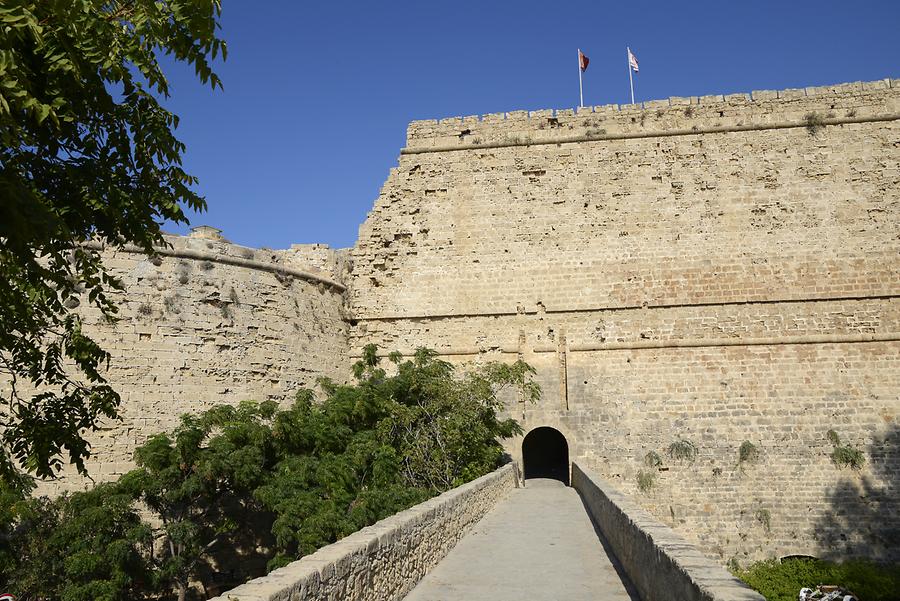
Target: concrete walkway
{"type": "Point", "coordinates": [537, 545]}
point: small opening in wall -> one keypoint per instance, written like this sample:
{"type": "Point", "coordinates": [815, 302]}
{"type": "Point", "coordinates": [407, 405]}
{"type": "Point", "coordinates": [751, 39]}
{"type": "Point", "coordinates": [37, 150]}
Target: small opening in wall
{"type": "Point", "coordinates": [545, 454]}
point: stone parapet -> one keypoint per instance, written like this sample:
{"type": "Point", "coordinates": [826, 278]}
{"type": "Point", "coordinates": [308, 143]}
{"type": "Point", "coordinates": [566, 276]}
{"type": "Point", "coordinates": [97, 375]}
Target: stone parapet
{"type": "Point", "coordinates": [662, 565]}
{"type": "Point", "coordinates": [386, 560]}
{"type": "Point", "coordinates": [812, 107]}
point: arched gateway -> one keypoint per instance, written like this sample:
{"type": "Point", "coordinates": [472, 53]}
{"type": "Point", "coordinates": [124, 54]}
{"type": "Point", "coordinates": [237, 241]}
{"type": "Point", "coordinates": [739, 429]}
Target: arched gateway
{"type": "Point", "coordinates": [545, 454]}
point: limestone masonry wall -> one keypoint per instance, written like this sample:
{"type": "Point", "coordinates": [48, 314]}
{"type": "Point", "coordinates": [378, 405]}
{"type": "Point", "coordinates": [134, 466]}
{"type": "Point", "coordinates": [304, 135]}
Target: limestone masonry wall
{"type": "Point", "coordinates": [715, 269]}
{"type": "Point", "coordinates": [209, 322]}
{"type": "Point", "coordinates": [383, 562]}
{"type": "Point", "coordinates": [661, 564]}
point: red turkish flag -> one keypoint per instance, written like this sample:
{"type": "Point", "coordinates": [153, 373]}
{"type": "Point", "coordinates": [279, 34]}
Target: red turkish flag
{"type": "Point", "coordinates": [583, 61]}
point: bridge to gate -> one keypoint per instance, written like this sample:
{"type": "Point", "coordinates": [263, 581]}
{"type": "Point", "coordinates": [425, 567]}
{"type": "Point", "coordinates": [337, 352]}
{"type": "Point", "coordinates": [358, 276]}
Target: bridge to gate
{"type": "Point", "coordinates": [562, 533]}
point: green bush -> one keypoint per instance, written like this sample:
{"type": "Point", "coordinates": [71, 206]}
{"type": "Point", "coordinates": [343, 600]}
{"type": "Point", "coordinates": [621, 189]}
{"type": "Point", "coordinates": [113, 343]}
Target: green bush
{"type": "Point", "coordinates": [747, 453]}
{"type": "Point", "coordinates": [682, 450]}
{"type": "Point", "coordinates": [782, 580]}
{"type": "Point", "coordinates": [645, 481]}
{"type": "Point", "coordinates": [845, 455]}
{"type": "Point", "coordinates": [652, 459]}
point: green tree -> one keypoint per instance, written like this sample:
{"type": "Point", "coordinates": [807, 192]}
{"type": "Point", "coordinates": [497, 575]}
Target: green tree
{"type": "Point", "coordinates": [198, 484]}
{"type": "Point", "coordinates": [88, 546]}
{"type": "Point", "coordinates": [87, 153]}
{"type": "Point", "coordinates": [383, 444]}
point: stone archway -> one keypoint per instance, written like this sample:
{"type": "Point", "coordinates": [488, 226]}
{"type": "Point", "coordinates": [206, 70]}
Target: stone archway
{"type": "Point", "coordinates": [545, 454]}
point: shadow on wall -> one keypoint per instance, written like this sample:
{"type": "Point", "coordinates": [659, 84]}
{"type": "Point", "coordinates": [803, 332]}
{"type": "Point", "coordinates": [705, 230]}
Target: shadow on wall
{"type": "Point", "coordinates": [863, 520]}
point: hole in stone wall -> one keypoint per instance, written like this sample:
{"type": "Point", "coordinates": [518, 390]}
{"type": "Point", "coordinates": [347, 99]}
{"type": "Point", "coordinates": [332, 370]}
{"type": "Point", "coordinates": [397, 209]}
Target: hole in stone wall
{"type": "Point", "coordinates": [545, 454]}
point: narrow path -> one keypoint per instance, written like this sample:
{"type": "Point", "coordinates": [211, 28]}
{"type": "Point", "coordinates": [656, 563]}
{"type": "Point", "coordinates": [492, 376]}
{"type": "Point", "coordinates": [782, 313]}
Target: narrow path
{"type": "Point", "coordinates": [537, 545]}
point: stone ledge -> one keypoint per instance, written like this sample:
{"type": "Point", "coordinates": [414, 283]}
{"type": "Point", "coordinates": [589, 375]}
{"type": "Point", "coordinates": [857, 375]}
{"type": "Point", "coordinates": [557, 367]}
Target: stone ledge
{"type": "Point", "coordinates": [662, 565]}
{"type": "Point", "coordinates": [180, 249]}
{"type": "Point", "coordinates": [383, 561]}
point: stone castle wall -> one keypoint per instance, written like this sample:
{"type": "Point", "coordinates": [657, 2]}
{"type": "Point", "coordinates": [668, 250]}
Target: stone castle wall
{"type": "Point", "coordinates": [208, 322]}
{"type": "Point", "coordinates": [715, 269]}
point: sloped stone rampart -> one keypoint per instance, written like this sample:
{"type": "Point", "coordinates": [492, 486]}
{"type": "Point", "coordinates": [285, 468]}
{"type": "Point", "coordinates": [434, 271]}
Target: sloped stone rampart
{"type": "Point", "coordinates": [662, 565]}
{"type": "Point", "coordinates": [383, 562]}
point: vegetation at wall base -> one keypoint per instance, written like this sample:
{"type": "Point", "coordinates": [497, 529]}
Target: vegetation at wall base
{"type": "Point", "coordinates": [303, 476]}
{"type": "Point", "coordinates": [782, 580]}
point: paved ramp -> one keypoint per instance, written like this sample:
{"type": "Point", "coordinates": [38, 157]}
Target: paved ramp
{"type": "Point", "coordinates": [537, 545]}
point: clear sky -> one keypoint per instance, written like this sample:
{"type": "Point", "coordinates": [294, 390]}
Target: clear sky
{"type": "Point", "coordinates": [318, 94]}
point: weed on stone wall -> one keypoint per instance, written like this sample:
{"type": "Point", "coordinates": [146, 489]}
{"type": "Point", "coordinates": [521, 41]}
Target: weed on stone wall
{"type": "Point", "coordinates": [652, 459]}
{"type": "Point", "coordinates": [682, 450]}
{"type": "Point", "coordinates": [171, 304]}
{"type": "Point", "coordinates": [748, 454]}
{"type": "Point", "coordinates": [845, 455]}
{"type": "Point", "coordinates": [814, 123]}
{"type": "Point", "coordinates": [764, 517]}
{"type": "Point", "coordinates": [645, 481]}
{"type": "Point", "coordinates": [145, 309]}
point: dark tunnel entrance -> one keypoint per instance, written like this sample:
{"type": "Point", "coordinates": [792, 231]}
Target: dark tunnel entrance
{"type": "Point", "coordinates": [545, 454]}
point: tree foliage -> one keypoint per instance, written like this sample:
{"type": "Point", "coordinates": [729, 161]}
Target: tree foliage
{"type": "Point", "coordinates": [88, 153]}
{"type": "Point", "coordinates": [88, 546]}
{"type": "Point", "coordinates": [263, 485]}
{"type": "Point", "coordinates": [198, 484]}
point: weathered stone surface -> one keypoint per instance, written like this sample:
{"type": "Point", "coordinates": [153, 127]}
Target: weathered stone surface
{"type": "Point", "coordinates": [209, 322]}
{"type": "Point", "coordinates": [717, 270]}
{"type": "Point", "coordinates": [386, 560]}
{"type": "Point", "coordinates": [661, 564]}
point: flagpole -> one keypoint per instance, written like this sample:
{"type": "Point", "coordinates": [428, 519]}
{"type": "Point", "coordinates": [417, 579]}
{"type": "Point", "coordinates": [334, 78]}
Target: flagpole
{"type": "Point", "coordinates": [580, 88]}
{"type": "Point", "coordinates": [630, 79]}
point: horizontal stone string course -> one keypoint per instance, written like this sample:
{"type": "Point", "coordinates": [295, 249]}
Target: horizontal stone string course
{"type": "Point", "coordinates": [187, 253]}
{"type": "Point", "coordinates": [661, 564]}
{"type": "Point", "coordinates": [623, 307]}
{"type": "Point", "coordinates": [693, 131]}
{"type": "Point", "coordinates": [384, 561]}
{"type": "Point", "coordinates": [653, 344]}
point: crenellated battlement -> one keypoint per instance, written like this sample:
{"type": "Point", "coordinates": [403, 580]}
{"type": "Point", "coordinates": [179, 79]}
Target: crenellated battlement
{"type": "Point", "coordinates": [762, 109]}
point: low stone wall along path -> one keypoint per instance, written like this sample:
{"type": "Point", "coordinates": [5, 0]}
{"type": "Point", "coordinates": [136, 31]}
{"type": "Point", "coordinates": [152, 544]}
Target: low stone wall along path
{"type": "Point", "coordinates": [537, 544]}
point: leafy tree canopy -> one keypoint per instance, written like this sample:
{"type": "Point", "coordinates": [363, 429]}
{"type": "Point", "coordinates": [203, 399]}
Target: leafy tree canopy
{"type": "Point", "coordinates": [314, 472]}
{"type": "Point", "coordinates": [87, 152]}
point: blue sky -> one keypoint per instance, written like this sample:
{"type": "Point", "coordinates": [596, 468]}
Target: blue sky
{"type": "Point", "coordinates": [318, 95]}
